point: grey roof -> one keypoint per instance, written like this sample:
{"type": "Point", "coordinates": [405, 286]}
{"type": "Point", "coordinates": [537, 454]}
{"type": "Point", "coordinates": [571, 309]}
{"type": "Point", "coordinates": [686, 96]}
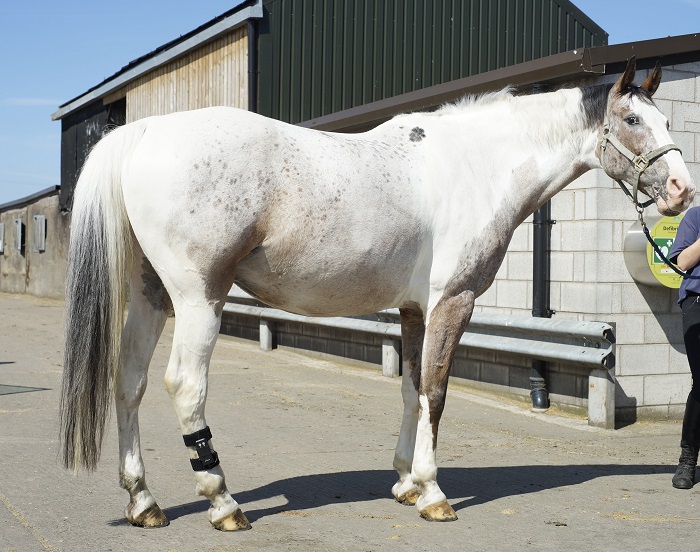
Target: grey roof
{"type": "Point", "coordinates": [24, 201]}
{"type": "Point", "coordinates": [248, 9]}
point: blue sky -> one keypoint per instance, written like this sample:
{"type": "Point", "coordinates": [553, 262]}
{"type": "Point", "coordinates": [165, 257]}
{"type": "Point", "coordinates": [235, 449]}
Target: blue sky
{"type": "Point", "coordinates": [51, 52]}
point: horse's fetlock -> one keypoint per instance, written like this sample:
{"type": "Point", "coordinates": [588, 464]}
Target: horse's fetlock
{"type": "Point", "coordinates": [132, 483]}
{"type": "Point", "coordinates": [211, 485]}
{"type": "Point", "coordinates": [423, 475]}
{"type": "Point", "coordinates": [402, 465]}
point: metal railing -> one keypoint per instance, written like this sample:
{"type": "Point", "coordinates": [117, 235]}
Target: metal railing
{"type": "Point", "coordinates": [583, 344]}
{"type": "Point", "coordinates": [588, 345]}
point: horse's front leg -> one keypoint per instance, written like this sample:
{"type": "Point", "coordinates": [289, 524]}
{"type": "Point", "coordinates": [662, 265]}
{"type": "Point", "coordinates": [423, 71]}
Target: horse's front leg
{"type": "Point", "coordinates": [446, 324]}
{"type": "Point", "coordinates": [143, 327]}
{"type": "Point", "coordinates": [412, 333]}
{"type": "Point", "coordinates": [196, 330]}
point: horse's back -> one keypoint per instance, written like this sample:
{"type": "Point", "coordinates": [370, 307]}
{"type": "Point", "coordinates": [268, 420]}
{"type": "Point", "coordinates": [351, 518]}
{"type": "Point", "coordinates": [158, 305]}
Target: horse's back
{"type": "Point", "coordinates": [312, 222]}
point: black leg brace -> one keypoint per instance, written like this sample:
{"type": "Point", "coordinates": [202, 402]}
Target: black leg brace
{"type": "Point", "coordinates": [207, 456]}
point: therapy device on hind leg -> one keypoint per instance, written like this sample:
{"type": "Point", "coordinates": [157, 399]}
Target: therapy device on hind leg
{"type": "Point", "coordinates": [207, 455]}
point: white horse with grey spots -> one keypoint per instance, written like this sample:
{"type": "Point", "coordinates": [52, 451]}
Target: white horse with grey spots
{"type": "Point", "coordinates": [415, 214]}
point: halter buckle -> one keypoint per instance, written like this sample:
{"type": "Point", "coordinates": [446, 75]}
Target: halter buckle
{"type": "Point", "coordinates": [640, 163]}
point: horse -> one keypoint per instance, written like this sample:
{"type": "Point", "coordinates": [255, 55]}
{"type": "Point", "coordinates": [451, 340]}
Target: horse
{"type": "Point", "coordinates": [416, 214]}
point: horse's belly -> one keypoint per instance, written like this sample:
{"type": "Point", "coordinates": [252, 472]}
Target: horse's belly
{"type": "Point", "coordinates": [327, 283]}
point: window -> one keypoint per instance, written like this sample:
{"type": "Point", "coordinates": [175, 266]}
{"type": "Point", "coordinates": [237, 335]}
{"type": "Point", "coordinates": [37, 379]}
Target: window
{"type": "Point", "coordinates": [19, 235]}
{"type": "Point", "coordinates": [39, 228]}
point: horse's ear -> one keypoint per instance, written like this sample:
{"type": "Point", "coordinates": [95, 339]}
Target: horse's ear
{"type": "Point", "coordinates": [627, 78]}
{"type": "Point", "coordinates": [653, 81]}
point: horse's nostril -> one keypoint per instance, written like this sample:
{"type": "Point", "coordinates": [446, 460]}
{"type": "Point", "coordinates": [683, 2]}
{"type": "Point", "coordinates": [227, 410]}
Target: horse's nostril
{"type": "Point", "coordinates": [675, 186]}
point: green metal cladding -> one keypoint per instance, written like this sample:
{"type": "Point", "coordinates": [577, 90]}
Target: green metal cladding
{"type": "Point", "coordinates": [318, 57]}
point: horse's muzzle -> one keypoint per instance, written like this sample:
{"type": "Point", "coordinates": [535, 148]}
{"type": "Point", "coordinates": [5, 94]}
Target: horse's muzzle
{"type": "Point", "coordinates": [680, 193]}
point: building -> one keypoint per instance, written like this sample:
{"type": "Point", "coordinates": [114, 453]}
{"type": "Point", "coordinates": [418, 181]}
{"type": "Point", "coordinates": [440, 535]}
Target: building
{"type": "Point", "coordinates": [34, 245]}
{"type": "Point", "coordinates": [347, 66]}
{"type": "Point", "coordinates": [298, 61]}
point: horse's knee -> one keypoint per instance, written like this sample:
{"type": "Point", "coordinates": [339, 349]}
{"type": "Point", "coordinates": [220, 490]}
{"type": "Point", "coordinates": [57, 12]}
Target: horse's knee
{"type": "Point", "coordinates": [410, 401]}
{"type": "Point", "coordinates": [129, 396]}
{"type": "Point", "coordinates": [409, 390]}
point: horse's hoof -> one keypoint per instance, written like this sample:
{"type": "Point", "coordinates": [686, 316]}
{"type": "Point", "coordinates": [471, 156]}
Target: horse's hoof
{"type": "Point", "coordinates": [235, 521]}
{"type": "Point", "coordinates": [440, 511]}
{"type": "Point", "coordinates": [151, 517]}
{"type": "Point", "coordinates": [409, 498]}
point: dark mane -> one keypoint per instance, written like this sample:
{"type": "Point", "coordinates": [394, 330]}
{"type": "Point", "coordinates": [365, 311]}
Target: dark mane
{"type": "Point", "coordinates": [595, 103]}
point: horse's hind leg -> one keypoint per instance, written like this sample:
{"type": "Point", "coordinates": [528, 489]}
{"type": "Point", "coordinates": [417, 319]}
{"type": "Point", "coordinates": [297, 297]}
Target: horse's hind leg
{"type": "Point", "coordinates": [148, 310]}
{"type": "Point", "coordinates": [196, 328]}
{"type": "Point", "coordinates": [446, 324]}
{"type": "Point", "coordinates": [412, 332]}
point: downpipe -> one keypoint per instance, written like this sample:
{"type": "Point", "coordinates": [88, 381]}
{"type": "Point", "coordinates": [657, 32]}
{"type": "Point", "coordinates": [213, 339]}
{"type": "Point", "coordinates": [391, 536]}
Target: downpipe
{"type": "Point", "coordinates": [541, 220]}
{"type": "Point", "coordinates": [541, 246]}
{"type": "Point", "coordinates": [252, 66]}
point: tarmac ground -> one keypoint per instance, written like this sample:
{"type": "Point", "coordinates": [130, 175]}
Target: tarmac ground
{"type": "Point", "coordinates": [307, 446]}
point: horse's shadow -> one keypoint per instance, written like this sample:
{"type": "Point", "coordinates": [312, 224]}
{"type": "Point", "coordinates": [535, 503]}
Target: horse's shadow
{"type": "Point", "coordinates": [479, 485]}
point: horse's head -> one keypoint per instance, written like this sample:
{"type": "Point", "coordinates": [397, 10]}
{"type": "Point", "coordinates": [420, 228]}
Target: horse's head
{"type": "Point", "coordinates": [636, 146]}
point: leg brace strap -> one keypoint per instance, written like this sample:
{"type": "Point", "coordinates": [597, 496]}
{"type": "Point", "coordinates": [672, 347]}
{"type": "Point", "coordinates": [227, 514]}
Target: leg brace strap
{"type": "Point", "coordinates": [207, 455]}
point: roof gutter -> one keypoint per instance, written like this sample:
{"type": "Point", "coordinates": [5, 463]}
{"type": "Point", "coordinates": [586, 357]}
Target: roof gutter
{"type": "Point", "coordinates": [179, 49]}
{"type": "Point", "coordinates": [669, 51]}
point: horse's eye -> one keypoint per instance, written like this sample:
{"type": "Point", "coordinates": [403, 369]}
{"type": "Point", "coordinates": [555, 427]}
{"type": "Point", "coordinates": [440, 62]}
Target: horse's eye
{"type": "Point", "coordinates": [632, 120]}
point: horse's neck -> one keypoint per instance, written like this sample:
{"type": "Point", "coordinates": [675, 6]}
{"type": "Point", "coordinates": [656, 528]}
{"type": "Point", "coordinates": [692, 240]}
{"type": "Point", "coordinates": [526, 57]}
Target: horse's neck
{"type": "Point", "coordinates": [518, 152]}
{"type": "Point", "coordinates": [557, 146]}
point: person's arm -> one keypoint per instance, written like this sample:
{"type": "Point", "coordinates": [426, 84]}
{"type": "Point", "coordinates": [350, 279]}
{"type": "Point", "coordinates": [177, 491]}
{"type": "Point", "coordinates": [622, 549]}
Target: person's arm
{"type": "Point", "coordinates": [685, 251]}
{"type": "Point", "coordinates": [689, 257]}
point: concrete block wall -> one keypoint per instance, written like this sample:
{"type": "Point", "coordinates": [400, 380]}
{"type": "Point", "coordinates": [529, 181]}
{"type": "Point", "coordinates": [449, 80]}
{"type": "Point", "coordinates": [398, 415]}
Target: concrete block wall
{"type": "Point", "coordinates": [510, 375]}
{"type": "Point", "coordinates": [28, 271]}
{"type": "Point", "coordinates": [13, 263]}
{"type": "Point", "coordinates": [589, 279]}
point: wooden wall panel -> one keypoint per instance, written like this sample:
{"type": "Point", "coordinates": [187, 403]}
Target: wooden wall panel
{"type": "Point", "coordinates": [215, 74]}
